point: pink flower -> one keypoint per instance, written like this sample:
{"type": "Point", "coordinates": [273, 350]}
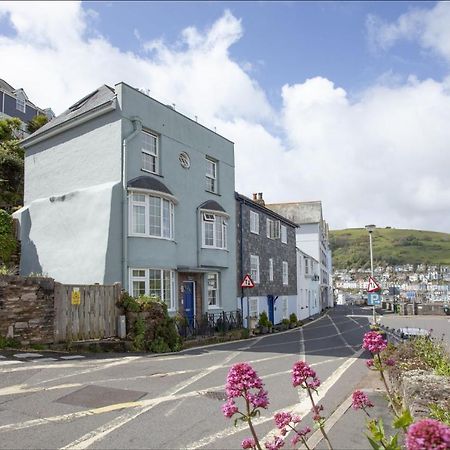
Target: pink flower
{"type": "Point", "coordinates": [300, 374]}
{"type": "Point", "coordinates": [374, 342]}
{"type": "Point", "coordinates": [277, 443]}
{"type": "Point", "coordinates": [369, 363]}
{"type": "Point", "coordinates": [360, 400]}
{"type": "Point", "coordinates": [259, 400]}
{"type": "Point", "coordinates": [316, 413]}
{"type": "Point", "coordinates": [241, 377]}
{"type": "Point", "coordinates": [282, 419]}
{"type": "Point", "coordinates": [248, 443]}
{"type": "Point", "coordinates": [296, 418]}
{"type": "Point", "coordinates": [229, 408]}
{"type": "Point", "coordinates": [428, 434]}
{"type": "Point", "coordinates": [299, 435]}
{"type": "Point", "coordinates": [390, 362]}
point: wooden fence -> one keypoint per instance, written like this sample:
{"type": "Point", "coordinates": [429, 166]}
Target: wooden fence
{"type": "Point", "coordinates": [85, 312]}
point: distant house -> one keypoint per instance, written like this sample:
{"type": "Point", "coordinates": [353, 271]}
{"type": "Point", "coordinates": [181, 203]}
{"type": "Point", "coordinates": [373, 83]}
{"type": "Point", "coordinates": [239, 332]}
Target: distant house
{"type": "Point", "coordinates": [312, 239]}
{"type": "Point", "coordinates": [15, 103]}
{"type": "Point", "coordinates": [266, 250]}
{"type": "Point", "coordinates": [122, 188]}
{"type": "Point", "coordinates": [308, 288]}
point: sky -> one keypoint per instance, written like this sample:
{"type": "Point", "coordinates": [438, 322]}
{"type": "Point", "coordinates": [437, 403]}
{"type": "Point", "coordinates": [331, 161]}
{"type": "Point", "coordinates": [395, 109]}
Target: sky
{"type": "Point", "coordinates": [343, 102]}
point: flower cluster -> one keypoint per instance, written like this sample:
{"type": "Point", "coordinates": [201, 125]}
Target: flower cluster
{"type": "Point", "coordinates": [304, 376]}
{"type": "Point", "coordinates": [275, 444]}
{"type": "Point", "coordinates": [283, 421]}
{"type": "Point", "coordinates": [374, 342]}
{"type": "Point", "coordinates": [300, 435]}
{"type": "Point", "coordinates": [427, 434]}
{"type": "Point", "coordinates": [316, 409]}
{"type": "Point", "coordinates": [360, 400]}
{"type": "Point", "coordinates": [248, 443]}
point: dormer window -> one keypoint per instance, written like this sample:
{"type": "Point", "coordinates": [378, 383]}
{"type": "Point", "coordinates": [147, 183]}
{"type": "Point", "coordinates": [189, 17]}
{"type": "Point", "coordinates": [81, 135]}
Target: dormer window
{"type": "Point", "coordinates": [21, 104]}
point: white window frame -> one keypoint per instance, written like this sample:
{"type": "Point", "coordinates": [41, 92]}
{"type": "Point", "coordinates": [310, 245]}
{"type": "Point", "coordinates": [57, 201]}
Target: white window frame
{"type": "Point", "coordinates": [284, 234]}
{"type": "Point", "coordinates": [284, 307]}
{"type": "Point", "coordinates": [210, 289]}
{"type": "Point", "coordinates": [272, 228]}
{"type": "Point", "coordinates": [253, 305]}
{"type": "Point", "coordinates": [285, 273]}
{"type": "Point", "coordinates": [254, 268]}
{"type": "Point", "coordinates": [217, 220]}
{"type": "Point", "coordinates": [152, 154]}
{"type": "Point", "coordinates": [146, 205]}
{"type": "Point", "coordinates": [172, 289]}
{"type": "Point", "coordinates": [254, 222]}
{"type": "Point", "coordinates": [21, 104]}
{"type": "Point", "coordinates": [211, 178]}
{"type": "Point", "coordinates": [270, 269]}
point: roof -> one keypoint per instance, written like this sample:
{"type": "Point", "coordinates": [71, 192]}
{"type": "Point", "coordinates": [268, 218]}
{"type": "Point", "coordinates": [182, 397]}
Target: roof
{"type": "Point", "coordinates": [264, 209]}
{"type": "Point", "coordinates": [300, 212]}
{"type": "Point", "coordinates": [150, 183]}
{"type": "Point", "coordinates": [6, 86]}
{"type": "Point", "coordinates": [103, 95]}
{"type": "Point", "coordinates": [212, 205]}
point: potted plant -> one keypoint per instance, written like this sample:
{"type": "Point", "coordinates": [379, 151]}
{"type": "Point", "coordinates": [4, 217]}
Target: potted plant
{"type": "Point", "coordinates": [293, 320]}
{"type": "Point", "coordinates": [263, 323]}
{"type": "Point", "coordinates": [285, 324]}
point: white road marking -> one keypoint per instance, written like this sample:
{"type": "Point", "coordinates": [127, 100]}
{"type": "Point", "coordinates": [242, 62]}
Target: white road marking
{"type": "Point", "coordinates": [73, 357]}
{"type": "Point", "coordinates": [27, 355]}
{"type": "Point", "coordinates": [43, 360]}
{"type": "Point", "coordinates": [9, 363]}
{"type": "Point", "coordinates": [95, 435]}
{"type": "Point", "coordinates": [172, 410]}
{"type": "Point", "coordinates": [338, 331]}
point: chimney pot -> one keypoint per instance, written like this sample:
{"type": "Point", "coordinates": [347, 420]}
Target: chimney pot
{"type": "Point", "coordinates": [255, 196]}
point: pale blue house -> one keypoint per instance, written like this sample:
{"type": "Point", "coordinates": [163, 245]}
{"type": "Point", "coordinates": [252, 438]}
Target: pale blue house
{"type": "Point", "coordinates": [123, 188]}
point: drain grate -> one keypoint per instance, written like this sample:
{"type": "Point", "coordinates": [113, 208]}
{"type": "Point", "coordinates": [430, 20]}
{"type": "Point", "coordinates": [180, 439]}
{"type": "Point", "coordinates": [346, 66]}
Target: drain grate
{"type": "Point", "coordinates": [215, 395]}
{"type": "Point", "coordinates": [99, 396]}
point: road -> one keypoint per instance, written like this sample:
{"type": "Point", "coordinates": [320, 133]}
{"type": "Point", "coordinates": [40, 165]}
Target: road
{"type": "Point", "coordinates": [172, 402]}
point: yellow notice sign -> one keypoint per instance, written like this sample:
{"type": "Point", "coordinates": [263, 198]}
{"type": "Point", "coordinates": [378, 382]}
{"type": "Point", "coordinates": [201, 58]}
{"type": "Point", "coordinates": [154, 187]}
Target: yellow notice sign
{"type": "Point", "coordinates": [76, 296]}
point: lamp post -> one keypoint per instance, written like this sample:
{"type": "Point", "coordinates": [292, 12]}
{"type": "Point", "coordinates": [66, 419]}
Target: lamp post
{"type": "Point", "coordinates": [370, 229]}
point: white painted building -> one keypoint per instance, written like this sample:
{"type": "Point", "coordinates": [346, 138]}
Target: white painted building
{"type": "Point", "coordinates": [308, 287]}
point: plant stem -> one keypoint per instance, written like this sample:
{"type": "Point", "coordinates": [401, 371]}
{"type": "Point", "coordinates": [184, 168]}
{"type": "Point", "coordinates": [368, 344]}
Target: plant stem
{"type": "Point", "coordinates": [305, 444]}
{"type": "Point", "coordinates": [321, 427]}
{"type": "Point", "coordinates": [255, 437]}
{"type": "Point", "coordinates": [391, 398]}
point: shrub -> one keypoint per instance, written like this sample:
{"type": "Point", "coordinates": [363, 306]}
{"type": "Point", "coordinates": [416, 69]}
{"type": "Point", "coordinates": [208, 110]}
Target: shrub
{"type": "Point", "coordinates": [285, 322]}
{"type": "Point", "coordinates": [8, 241]}
{"type": "Point", "coordinates": [263, 320]}
{"type": "Point", "coordinates": [293, 318]}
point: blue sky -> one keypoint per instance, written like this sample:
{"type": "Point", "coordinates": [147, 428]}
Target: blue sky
{"type": "Point", "coordinates": [284, 42]}
{"type": "Point", "coordinates": [343, 102]}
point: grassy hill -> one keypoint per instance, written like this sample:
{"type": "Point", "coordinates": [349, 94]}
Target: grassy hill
{"type": "Point", "coordinates": [390, 246]}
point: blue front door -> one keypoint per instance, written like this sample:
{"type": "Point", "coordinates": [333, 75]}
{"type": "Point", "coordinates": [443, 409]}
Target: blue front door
{"type": "Point", "coordinates": [189, 301]}
{"type": "Point", "coordinates": [271, 304]}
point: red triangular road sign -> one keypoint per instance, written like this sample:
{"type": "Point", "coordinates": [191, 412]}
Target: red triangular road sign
{"type": "Point", "coordinates": [373, 286]}
{"type": "Point", "coordinates": [247, 282]}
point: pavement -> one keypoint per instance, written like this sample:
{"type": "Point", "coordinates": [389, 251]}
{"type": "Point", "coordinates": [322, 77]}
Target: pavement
{"type": "Point", "coordinates": [173, 401]}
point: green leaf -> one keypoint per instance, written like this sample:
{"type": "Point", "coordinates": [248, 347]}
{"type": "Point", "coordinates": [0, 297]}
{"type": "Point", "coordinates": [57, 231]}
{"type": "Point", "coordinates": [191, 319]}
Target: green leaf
{"type": "Point", "coordinates": [404, 421]}
{"type": "Point", "coordinates": [374, 444]}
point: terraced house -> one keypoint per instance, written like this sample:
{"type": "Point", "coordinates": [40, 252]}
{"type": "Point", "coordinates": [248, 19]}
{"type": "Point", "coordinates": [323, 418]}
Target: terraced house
{"type": "Point", "coordinates": [122, 188]}
{"type": "Point", "coordinates": [266, 250]}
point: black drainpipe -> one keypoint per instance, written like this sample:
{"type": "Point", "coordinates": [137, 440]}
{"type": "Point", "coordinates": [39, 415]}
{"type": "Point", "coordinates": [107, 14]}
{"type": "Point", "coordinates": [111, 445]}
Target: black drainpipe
{"type": "Point", "coordinates": [241, 256]}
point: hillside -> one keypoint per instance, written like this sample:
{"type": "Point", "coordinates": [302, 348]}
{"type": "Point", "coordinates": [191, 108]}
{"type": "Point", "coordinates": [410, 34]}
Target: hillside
{"type": "Point", "coordinates": [350, 247]}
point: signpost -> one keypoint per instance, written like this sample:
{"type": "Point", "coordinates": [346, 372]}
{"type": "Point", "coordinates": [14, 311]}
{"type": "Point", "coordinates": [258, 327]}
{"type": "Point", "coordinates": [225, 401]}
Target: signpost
{"type": "Point", "coordinates": [373, 286]}
{"type": "Point", "coordinates": [247, 283]}
{"type": "Point", "coordinates": [373, 298]}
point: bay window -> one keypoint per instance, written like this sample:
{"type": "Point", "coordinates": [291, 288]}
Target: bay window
{"type": "Point", "coordinates": [214, 231]}
{"type": "Point", "coordinates": [151, 216]}
{"type": "Point", "coordinates": [158, 283]}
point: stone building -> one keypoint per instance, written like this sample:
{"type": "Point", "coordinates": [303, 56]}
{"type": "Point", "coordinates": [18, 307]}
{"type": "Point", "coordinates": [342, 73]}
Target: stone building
{"type": "Point", "coordinates": [266, 250]}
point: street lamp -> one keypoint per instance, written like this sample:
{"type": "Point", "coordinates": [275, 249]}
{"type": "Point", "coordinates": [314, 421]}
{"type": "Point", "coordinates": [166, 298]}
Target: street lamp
{"type": "Point", "coordinates": [370, 229]}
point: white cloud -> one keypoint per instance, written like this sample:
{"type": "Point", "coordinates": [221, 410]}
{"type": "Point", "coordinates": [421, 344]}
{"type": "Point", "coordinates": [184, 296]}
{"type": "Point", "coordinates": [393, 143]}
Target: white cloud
{"type": "Point", "coordinates": [382, 158]}
{"type": "Point", "coordinates": [430, 27]}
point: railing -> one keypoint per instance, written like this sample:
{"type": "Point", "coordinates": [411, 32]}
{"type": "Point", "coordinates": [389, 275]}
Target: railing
{"type": "Point", "coordinates": [209, 324]}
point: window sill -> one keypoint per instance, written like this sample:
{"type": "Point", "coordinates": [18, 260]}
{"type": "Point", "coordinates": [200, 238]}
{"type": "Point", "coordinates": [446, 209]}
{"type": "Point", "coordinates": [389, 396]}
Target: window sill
{"type": "Point", "coordinates": [152, 173]}
{"type": "Point", "coordinates": [254, 232]}
{"type": "Point", "coordinates": [215, 308]}
{"type": "Point", "coordinates": [212, 192]}
{"type": "Point", "coordinates": [214, 248]}
{"type": "Point", "coordinates": [152, 237]}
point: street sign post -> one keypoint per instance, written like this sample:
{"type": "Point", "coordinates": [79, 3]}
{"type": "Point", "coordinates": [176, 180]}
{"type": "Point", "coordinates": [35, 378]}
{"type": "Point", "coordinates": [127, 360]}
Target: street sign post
{"type": "Point", "coordinates": [373, 286]}
{"type": "Point", "coordinates": [374, 299]}
{"type": "Point", "coordinates": [247, 283]}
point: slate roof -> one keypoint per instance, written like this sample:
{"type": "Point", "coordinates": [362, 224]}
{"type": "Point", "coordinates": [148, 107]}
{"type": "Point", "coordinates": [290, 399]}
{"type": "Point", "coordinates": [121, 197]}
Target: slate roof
{"type": "Point", "coordinates": [212, 205]}
{"type": "Point", "coordinates": [150, 183]}
{"type": "Point", "coordinates": [99, 97]}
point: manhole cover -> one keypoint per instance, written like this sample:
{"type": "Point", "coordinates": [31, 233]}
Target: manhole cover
{"type": "Point", "coordinates": [215, 395]}
{"type": "Point", "coordinates": [98, 396]}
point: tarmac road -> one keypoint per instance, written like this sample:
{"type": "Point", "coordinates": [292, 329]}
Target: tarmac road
{"type": "Point", "coordinates": [173, 401]}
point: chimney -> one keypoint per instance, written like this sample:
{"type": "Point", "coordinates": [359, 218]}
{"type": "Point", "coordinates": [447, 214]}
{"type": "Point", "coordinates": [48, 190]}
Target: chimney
{"type": "Point", "coordinates": [255, 197]}
{"type": "Point", "coordinates": [260, 199]}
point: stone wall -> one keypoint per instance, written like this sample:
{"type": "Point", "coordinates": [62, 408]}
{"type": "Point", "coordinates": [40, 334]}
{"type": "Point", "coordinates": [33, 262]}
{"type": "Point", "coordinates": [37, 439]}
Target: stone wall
{"type": "Point", "coordinates": [27, 309]}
